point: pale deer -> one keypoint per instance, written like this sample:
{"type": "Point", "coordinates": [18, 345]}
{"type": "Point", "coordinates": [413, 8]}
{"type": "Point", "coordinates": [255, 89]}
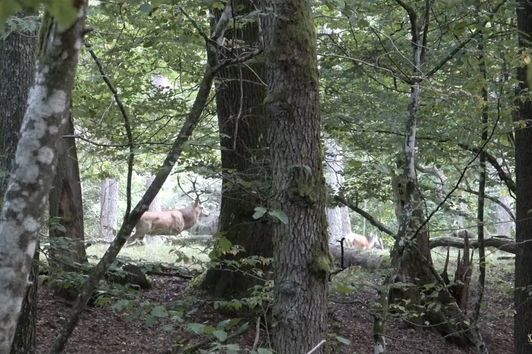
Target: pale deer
{"type": "Point", "coordinates": [168, 222]}
{"type": "Point", "coordinates": [360, 242]}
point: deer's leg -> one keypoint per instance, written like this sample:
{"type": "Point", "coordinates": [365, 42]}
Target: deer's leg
{"type": "Point", "coordinates": [138, 235]}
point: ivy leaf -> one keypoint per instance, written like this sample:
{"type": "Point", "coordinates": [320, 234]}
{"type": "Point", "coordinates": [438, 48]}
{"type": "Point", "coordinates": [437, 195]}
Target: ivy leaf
{"type": "Point", "coordinates": [259, 212]}
{"type": "Point", "coordinates": [280, 215]}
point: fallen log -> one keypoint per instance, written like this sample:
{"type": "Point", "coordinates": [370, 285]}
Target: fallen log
{"type": "Point", "coordinates": [371, 259]}
{"type": "Point", "coordinates": [500, 242]}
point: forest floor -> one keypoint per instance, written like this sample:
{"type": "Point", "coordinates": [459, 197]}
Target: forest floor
{"type": "Point", "coordinates": [167, 318]}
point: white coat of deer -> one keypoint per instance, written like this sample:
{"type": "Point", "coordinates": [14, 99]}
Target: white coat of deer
{"type": "Point", "coordinates": [168, 222]}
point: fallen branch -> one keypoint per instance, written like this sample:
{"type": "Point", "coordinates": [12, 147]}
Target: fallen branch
{"type": "Point", "coordinates": [351, 257]}
{"type": "Point", "coordinates": [502, 243]}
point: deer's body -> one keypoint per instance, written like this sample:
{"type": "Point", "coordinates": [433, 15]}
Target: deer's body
{"type": "Point", "coordinates": [169, 222]}
{"type": "Point", "coordinates": [360, 242]}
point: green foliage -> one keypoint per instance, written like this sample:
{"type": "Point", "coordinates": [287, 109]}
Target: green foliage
{"type": "Point", "coordinates": [364, 58]}
{"type": "Point", "coordinates": [261, 297]}
{"type": "Point", "coordinates": [62, 10]}
{"type": "Point", "coordinates": [276, 214]}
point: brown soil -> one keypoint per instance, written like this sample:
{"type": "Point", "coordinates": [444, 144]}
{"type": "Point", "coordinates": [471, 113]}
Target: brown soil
{"type": "Point", "coordinates": [102, 330]}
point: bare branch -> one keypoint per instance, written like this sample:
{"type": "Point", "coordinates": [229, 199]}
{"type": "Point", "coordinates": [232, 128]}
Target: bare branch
{"type": "Point", "coordinates": [127, 126]}
{"type": "Point", "coordinates": [505, 177]}
{"type": "Point", "coordinates": [364, 214]}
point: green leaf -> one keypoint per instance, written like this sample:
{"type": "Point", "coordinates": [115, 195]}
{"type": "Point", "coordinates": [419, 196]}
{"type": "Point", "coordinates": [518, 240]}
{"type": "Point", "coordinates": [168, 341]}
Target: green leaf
{"type": "Point", "coordinates": [63, 11]}
{"type": "Point", "coordinates": [280, 215]}
{"type": "Point", "coordinates": [151, 320]}
{"type": "Point", "coordinates": [264, 351]}
{"type": "Point", "coordinates": [221, 335]}
{"type": "Point", "coordinates": [232, 348]}
{"type": "Point", "coordinates": [121, 305]}
{"type": "Point", "coordinates": [159, 312]}
{"type": "Point", "coordinates": [224, 245]}
{"type": "Point", "coordinates": [197, 328]}
{"type": "Point", "coordinates": [229, 323]}
{"type": "Point", "coordinates": [259, 212]}
{"type": "Point", "coordinates": [7, 8]}
{"type": "Point", "coordinates": [343, 289]}
{"type": "Point", "coordinates": [343, 340]}
{"type": "Point", "coordinates": [145, 8]}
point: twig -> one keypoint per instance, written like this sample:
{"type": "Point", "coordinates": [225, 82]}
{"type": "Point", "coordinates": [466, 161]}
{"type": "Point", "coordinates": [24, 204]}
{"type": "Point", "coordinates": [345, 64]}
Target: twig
{"type": "Point", "coordinates": [364, 214]}
{"type": "Point", "coordinates": [169, 274]}
{"type": "Point", "coordinates": [127, 126]}
{"type": "Point", "coordinates": [317, 346]}
{"type": "Point", "coordinates": [193, 348]}
{"type": "Point", "coordinates": [257, 334]}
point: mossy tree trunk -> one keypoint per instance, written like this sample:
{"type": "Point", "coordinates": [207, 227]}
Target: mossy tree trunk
{"type": "Point", "coordinates": [243, 125]}
{"type": "Point", "coordinates": [411, 254]}
{"type": "Point", "coordinates": [66, 207]}
{"type": "Point", "coordinates": [17, 62]}
{"type": "Point", "coordinates": [35, 162]}
{"type": "Point", "coordinates": [301, 259]}
{"type": "Point", "coordinates": [523, 171]}
{"type": "Point", "coordinates": [108, 209]}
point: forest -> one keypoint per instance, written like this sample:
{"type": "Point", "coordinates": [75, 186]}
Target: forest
{"type": "Point", "coordinates": [265, 176]}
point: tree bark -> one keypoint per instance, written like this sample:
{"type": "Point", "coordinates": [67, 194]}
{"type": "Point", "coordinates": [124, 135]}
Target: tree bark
{"type": "Point", "coordinates": [108, 209]}
{"type": "Point", "coordinates": [155, 205]}
{"type": "Point", "coordinates": [523, 171]}
{"type": "Point", "coordinates": [411, 254]}
{"type": "Point", "coordinates": [17, 62]}
{"type": "Point", "coordinates": [243, 127]}
{"type": "Point", "coordinates": [24, 341]}
{"type": "Point", "coordinates": [301, 258]}
{"type": "Point", "coordinates": [67, 238]}
{"type": "Point", "coordinates": [35, 158]}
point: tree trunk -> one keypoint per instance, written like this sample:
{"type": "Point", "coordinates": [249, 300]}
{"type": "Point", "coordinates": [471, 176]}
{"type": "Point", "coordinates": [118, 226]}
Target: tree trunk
{"type": "Point", "coordinates": [108, 209]}
{"type": "Point", "coordinates": [337, 217]}
{"type": "Point", "coordinates": [411, 254]}
{"type": "Point", "coordinates": [243, 126]}
{"type": "Point", "coordinates": [67, 236]}
{"type": "Point", "coordinates": [503, 219]}
{"type": "Point", "coordinates": [523, 171]}
{"type": "Point", "coordinates": [17, 61]}
{"type": "Point", "coordinates": [155, 205]}
{"type": "Point", "coordinates": [301, 254]}
{"type": "Point", "coordinates": [24, 341]}
{"type": "Point", "coordinates": [35, 158]}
